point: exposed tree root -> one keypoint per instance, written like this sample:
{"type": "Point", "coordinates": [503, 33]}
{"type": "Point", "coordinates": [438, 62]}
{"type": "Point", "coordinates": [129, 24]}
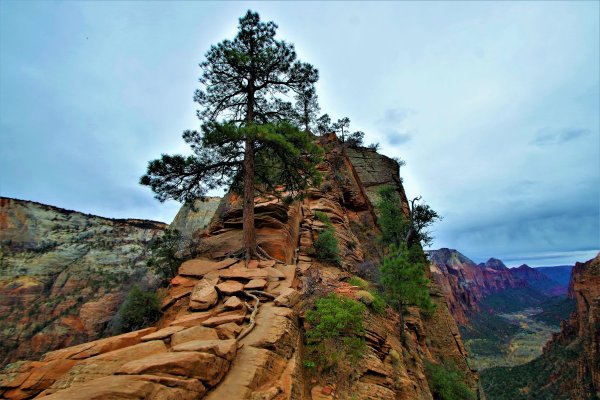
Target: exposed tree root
{"type": "Point", "coordinates": [254, 295]}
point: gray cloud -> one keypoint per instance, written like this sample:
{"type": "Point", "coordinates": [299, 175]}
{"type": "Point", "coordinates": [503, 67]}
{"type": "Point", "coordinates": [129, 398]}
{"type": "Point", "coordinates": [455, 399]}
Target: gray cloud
{"type": "Point", "coordinates": [394, 116]}
{"type": "Point", "coordinates": [396, 138]}
{"type": "Point", "coordinates": [546, 137]}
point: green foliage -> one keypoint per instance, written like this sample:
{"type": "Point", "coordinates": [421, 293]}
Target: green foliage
{"type": "Point", "coordinates": [356, 281]}
{"type": "Point", "coordinates": [321, 216]}
{"type": "Point", "coordinates": [391, 219]}
{"type": "Point", "coordinates": [398, 228]}
{"type": "Point", "coordinates": [139, 309]}
{"type": "Point", "coordinates": [336, 332]}
{"type": "Point", "coordinates": [326, 246]}
{"type": "Point", "coordinates": [447, 382]}
{"type": "Point", "coordinates": [164, 260]}
{"type": "Point", "coordinates": [555, 310]}
{"type": "Point", "coordinates": [545, 378]}
{"type": "Point", "coordinates": [355, 139]}
{"type": "Point", "coordinates": [283, 155]}
{"type": "Point", "coordinates": [378, 304]}
{"type": "Point", "coordinates": [403, 279]}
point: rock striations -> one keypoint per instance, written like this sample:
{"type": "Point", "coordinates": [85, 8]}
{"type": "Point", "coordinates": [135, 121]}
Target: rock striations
{"type": "Point", "coordinates": [465, 283]}
{"type": "Point", "coordinates": [235, 331]}
{"type": "Point", "coordinates": [63, 274]}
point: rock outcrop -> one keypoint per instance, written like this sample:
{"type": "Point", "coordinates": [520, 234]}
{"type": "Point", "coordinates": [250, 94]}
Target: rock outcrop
{"type": "Point", "coordinates": [232, 330]}
{"type": "Point", "coordinates": [64, 274]}
{"type": "Point", "coordinates": [193, 219]}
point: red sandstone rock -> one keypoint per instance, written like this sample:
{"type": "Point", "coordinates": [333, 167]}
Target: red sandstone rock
{"type": "Point", "coordinates": [230, 287]}
{"type": "Point", "coordinates": [200, 267]}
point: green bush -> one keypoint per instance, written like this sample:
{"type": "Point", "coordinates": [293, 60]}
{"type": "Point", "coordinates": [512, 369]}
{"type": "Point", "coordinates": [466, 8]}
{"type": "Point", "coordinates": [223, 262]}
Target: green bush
{"type": "Point", "coordinates": [447, 382]}
{"type": "Point", "coordinates": [139, 310]}
{"type": "Point", "coordinates": [336, 332]}
{"type": "Point", "coordinates": [326, 246]}
{"type": "Point", "coordinates": [164, 260]}
{"type": "Point", "coordinates": [404, 279]}
{"type": "Point", "coordinates": [356, 281]}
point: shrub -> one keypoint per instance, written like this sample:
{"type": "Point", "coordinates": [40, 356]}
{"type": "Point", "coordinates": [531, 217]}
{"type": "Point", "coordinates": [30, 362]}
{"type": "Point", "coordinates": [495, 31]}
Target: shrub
{"type": "Point", "coordinates": [336, 332]}
{"type": "Point", "coordinates": [326, 247]}
{"type": "Point", "coordinates": [356, 281]}
{"type": "Point", "coordinates": [404, 279]}
{"type": "Point", "coordinates": [165, 260]}
{"type": "Point", "coordinates": [139, 309]}
{"type": "Point", "coordinates": [447, 382]}
{"type": "Point", "coordinates": [321, 216]}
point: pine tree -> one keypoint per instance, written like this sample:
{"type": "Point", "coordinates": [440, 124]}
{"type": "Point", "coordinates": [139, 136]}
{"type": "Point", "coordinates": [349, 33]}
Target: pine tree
{"type": "Point", "coordinates": [342, 125]}
{"type": "Point", "coordinates": [244, 139]}
{"type": "Point", "coordinates": [307, 108]}
{"type": "Point", "coordinates": [403, 278]}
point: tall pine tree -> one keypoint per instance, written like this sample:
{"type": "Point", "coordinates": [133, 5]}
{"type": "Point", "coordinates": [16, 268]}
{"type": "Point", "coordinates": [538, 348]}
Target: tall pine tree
{"type": "Point", "coordinates": [244, 137]}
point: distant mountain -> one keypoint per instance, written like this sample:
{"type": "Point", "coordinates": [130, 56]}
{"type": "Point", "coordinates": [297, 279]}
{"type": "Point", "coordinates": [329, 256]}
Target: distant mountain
{"type": "Point", "coordinates": [539, 281]}
{"type": "Point", "coordinates": [559, 273]}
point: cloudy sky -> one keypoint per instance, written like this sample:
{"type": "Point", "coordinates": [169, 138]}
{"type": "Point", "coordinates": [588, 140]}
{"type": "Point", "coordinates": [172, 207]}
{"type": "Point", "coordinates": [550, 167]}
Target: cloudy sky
{"type": "Point", "coordinates": [494, 106]}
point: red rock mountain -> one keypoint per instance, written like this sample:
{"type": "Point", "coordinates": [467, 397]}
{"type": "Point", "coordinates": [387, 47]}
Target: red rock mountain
{"type": "Point", "coordinates": [210, 343]}
{"type": "Point", "coordinates": [465, 283]}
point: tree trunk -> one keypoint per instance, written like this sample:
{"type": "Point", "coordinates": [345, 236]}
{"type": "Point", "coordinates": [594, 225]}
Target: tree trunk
{"type": "Point", "coordinates": [248, 227]}
{"type": "Point", "coordinates": [248, 216]}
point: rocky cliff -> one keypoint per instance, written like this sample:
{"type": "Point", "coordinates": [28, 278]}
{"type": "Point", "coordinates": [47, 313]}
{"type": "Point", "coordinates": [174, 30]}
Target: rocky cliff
{"type": "Point", "coordinates": [194, 218]}
{"type": "Point", "coordinates": [221, 339]}
{"type": "Point", "coordinates": [582, 332]}
{"type": "Point", "coordinates": [63, 275]}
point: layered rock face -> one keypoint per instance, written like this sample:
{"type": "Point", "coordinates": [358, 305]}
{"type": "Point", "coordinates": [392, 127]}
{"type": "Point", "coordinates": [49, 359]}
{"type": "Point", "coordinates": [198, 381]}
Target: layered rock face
{"type": "Point", "coordinates": [63, 274]}
{"type": "Point", "coordinates": [581, 332]}
{"type": "Point", "coordinates": [465, 283]}
{"type": "Point", "coordinates": [232, 330]}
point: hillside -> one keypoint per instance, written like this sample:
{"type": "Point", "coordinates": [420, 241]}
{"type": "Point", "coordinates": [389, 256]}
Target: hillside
{"type": "Point", "coordinates": [206, 344]}
{"type": "Point", "coordinates": [64, 274]}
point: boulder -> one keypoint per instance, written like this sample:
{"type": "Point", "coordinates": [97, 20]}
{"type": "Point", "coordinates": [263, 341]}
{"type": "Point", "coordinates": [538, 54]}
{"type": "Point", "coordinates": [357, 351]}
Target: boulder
{"type": "Point", "coordinates": [224, 319]}
{"type": "Point", "coordinates": [258, 273]}
{"type": "Point", "coordinates": [233, 303]}
{"type": "Point", "coordinates": [193, 333]}
{"type": "Point", "coordinates": [288, 298]}
{"type": "Point", "coordinates": [255, 284]}
{"type": "Point", "coordinates": [209, 368]}
{"type": "Point", "coordinates": [230, 287]}
{"type": "Point", "coordinates": [204, 295]}
{"type": "Point", "coordinates": [222, 348]}
{"type": "Point", "coordinates": [200, 267]}
{"type": "Point", "coordinates": [193, 319]}
{"type": "Point", "coordinates": [229, 330]}
{"type": "Point", "coordinates": [162, 333]}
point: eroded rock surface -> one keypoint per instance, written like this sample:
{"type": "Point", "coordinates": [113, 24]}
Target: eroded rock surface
{"type": "Point", "coordinates": [64, 274]}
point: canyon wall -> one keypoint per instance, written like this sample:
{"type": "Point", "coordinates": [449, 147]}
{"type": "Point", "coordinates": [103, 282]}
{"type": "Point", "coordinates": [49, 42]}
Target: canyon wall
{"type": "Point", "coordinates": [64, 274]}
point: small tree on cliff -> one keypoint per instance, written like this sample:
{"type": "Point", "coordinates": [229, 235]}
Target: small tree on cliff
{"type": "Point", "coordinates": [398, 228]}
{"type": "Point", "coordinates": [307, 107]}
{"type": "Point", "coordinates": [244, 137]}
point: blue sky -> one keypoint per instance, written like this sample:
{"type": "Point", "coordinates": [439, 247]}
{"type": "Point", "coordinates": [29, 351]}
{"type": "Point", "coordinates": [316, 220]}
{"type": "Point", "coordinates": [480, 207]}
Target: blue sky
{"type": "Point", "coordinates": [494, 106]}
